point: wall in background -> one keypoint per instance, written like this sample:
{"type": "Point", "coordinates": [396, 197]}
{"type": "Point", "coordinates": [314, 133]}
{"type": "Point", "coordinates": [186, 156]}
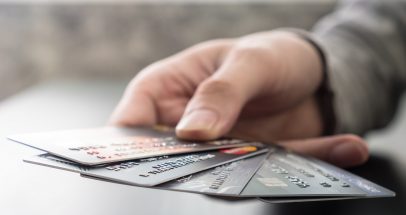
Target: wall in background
{"type": "Point", "coordinates": [106, 40]}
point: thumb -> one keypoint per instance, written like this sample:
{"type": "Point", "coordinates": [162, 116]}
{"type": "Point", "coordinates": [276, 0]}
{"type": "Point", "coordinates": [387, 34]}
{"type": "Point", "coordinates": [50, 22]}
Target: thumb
{"type": "Point", "coordinates": [212, 111]}
{"type": "Point", "coordinates": [342, 150]}
{"type": "Point", "coordinates": [217, 102]}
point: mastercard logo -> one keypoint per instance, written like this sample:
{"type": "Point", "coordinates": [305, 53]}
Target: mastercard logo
{"type": "Point", "coordinates": [162, 128]}
{"type": "Point", "coordinates": [240, 150]}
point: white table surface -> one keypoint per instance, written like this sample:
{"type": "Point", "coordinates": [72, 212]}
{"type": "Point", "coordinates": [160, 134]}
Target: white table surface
{"type": "Point", "coordinates": [53, 105]}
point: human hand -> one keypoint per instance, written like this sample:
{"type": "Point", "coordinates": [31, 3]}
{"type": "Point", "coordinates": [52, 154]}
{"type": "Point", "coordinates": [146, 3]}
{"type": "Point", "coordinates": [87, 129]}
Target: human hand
{"type": "Point", "coordinates": [260, 87]}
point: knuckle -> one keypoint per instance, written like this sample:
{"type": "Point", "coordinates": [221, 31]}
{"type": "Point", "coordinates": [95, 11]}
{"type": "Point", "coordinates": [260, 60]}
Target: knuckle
{"type": "Point", "coordinates": [256, 49]}
{"type": "Point", "coordinates": [243, 52]}
{"type": "Point", "coordinates": [211, 45]}
{"type": "Point", "coordinates": [216, 86]}
{"type": "Point", "coordinates": [262, 56]}
{"type": "Point", "coordinates": [250, 50]}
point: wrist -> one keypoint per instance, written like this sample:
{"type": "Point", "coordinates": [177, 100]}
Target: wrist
{"type": "Point", "coordinates": [324, 95]}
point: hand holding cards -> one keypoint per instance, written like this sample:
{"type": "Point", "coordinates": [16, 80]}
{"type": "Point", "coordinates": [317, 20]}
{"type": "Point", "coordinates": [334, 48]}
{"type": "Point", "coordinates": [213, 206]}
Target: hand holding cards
{"type": "Point", "coordinates": [154, 157]}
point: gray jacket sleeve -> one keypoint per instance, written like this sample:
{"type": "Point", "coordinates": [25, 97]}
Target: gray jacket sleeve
{"type": "Point", "coordinates": [364, 42]}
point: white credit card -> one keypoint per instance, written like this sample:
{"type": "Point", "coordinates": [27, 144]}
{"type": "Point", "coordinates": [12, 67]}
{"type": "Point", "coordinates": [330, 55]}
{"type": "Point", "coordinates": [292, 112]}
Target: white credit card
{"type": "Point", "coordinates": [112, 144]}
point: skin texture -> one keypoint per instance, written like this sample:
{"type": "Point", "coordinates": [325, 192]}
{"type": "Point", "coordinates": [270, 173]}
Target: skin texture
{"type": "Point", "coordinates": [261, 86]}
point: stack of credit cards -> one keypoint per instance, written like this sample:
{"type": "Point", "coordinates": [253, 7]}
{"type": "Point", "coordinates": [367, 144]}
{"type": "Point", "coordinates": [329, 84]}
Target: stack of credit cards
{"type": "Point", "coordinates": [153, 157]}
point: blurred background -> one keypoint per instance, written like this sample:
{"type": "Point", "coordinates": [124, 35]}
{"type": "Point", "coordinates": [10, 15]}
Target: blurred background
{"type": "Point", "coordinates": [78, 56]}
{"type": "Point", "coordinates": [99, 39]}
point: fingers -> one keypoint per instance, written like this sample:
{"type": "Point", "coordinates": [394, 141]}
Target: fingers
{"type": "Point", "coordinates": [342, 150]}
{"type": "Point", "coordinates": [217, 103]}
{"type": "Point", "coordinates": [211, 112]}
{"type": "Point", "coordinates": [135, 108]}
{"type": "Point", "coordinates": [158, 94]}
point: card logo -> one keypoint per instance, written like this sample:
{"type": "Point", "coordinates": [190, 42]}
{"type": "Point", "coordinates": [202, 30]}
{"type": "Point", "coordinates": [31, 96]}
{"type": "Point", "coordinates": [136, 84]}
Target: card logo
{"type": "Point", "coordinates": [162, 128]}
{"type": "Point", "coordinates": [240, 150]}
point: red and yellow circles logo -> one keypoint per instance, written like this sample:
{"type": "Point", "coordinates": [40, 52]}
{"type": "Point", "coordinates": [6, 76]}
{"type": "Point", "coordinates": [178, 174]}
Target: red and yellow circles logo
{"type": "Point", "coordinates": [240, 150]}
{"type": "Point", "coordinates": [163, 128]}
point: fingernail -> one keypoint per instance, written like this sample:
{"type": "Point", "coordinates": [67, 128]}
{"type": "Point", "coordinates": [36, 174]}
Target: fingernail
{"type": "Point", "coordinates": [201, 119]}
{"type": "Point", "coordinates": [345, 154]}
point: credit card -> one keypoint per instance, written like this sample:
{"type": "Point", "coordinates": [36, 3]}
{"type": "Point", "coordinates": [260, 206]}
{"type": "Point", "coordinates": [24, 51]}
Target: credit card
{"type": "Point", "coordinates": [282, 177]}
{"type": "Point", "coordinates": [226, 180]}
{"type": "Point", "coordinates": [112, 144]}
{"type": "Point", "coordinates": [370, 188]}
{"type": "Point", "coordinates": [304, 199]}
{"type": "Point", "coordinates": [285, 174]}
{"type": "Point", "coordinates": [156, 170]}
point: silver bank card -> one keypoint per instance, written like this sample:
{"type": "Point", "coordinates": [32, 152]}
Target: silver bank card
{"type": "Point", "coordinates": [282, 177]}
{"type": "Point", "coordinates": [226, 180]}
{"type": "Point", "coordinates": [156, 170]}
{"type": "Point", "coordinates": [285, 174]}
